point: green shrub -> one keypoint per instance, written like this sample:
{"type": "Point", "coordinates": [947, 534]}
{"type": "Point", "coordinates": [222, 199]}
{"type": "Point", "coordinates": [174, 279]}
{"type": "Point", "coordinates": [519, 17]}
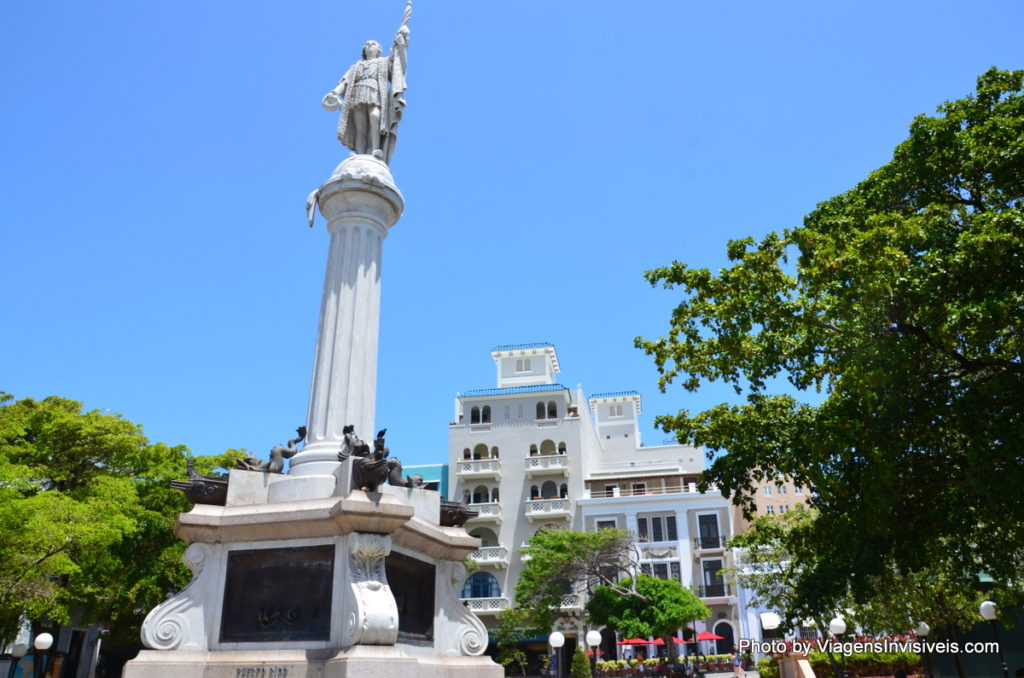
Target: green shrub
{"type": "Point", "coordinates": [768, 667]}
{"type": "Point", "coordinates": [580, 664]}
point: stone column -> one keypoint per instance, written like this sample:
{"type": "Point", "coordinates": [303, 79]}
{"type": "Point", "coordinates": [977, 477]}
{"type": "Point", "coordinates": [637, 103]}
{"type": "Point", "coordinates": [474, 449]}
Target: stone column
{"type": "Point", "coordinates": [360, 202]}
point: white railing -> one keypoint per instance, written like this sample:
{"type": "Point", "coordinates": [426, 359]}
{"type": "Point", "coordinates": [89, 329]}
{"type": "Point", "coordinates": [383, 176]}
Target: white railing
{"type": "Point", "coordinates": [544, 463]}
{"type": "Point", "coordinates": [488, 511]}
{"type": "Point", "coordinates": [490, 554]}
{"type": "Point", "coordinates": [548, 507]}
{"type": "Point", "coordinates": [572, 601]}
{"type": "Point", "coordinates": [689, 488]}
{"type": "Point", "coordinates": [477, 467]}
{"type": "Point", "coordinates": [486, 605]}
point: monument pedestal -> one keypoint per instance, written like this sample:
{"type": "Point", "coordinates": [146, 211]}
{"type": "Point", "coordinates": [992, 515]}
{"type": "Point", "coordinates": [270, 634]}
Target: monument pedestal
{"type": "Point", "coordinates": [331, 587]}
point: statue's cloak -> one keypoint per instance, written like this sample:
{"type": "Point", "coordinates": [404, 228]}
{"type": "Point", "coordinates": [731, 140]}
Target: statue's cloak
{"type": "Point", "coordinates": [390, 99]}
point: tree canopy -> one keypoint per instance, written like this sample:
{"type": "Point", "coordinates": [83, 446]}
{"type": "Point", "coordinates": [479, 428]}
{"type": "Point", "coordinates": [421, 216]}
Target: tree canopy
{"type": "Point", "coordinates": [564, 562]}
{"type": "Point", "coordinates": [87, 515]}
{"type": "Point", "coordinates": [665, 607]}
{"type": "Point", "coordinates": [901, 302]}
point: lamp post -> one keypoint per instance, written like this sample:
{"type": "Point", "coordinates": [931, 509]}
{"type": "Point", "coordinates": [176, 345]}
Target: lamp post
{"type": "Point", "coordinates": [556, 640]}
{"type": "Point", "coordinates": [837, 627]}
{"type": "Point", "coordinates": [988, 613]}
{"type": "Point", "coordinates": [922, 631]}
{"type": "Point", "coordinates": [42, 644]}
{"type": "Point", "coordinates": [18, 650]}
{"type": "Point", "coordinates": [593, 640]}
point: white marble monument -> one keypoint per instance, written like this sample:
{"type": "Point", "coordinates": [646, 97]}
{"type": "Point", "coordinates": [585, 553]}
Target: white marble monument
{"type": "Point", "coordinates": [300, 575]}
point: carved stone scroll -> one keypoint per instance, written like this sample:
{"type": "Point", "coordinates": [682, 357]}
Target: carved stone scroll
{"type": "Point", "coordinates": [178, 623]}
{"type": "Point", "coordinates": [373, 614]}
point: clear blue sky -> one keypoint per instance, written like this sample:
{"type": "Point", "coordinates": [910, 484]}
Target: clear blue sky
{"type": "Point", "coordinates": [156, 158]}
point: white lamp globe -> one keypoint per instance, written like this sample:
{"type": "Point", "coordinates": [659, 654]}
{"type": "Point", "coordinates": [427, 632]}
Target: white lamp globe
{"type": "Point", "coordinates": [556, 639]}
{"type": "Point", "coordinates": [988, 611]}
{"type": "Point", "coordinates": [837, 626]}
{"type": "Point", "coordinates": [43, 641]}
{"type": "Point", "coordinates": [923, 630]}
{"type": "Point", "coordinates": [593, 638]}
{"type": "Point", "coordinates": [19, 650]}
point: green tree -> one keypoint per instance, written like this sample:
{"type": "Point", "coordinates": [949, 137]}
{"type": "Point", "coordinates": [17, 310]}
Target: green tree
{"type": "Point", "coordinates": [87, 515]}
{"type": "Point", "coordinates": [665, 607]}
{"type": "Point", "coordinates": [902, 301]}
{"type": "Point", "coordinates": [564, 562]}
{"type": "Point", "coordinates": [507, 635]}
{"type": "Point", "coordinates": [580, 664]}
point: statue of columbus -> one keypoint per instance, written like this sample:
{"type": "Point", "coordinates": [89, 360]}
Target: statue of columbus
{"type": "Point", "coordinates": [373, 90]}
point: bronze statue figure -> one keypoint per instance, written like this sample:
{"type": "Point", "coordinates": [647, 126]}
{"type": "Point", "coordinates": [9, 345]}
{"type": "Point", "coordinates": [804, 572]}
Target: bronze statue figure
{"type": "Point", "coordinates": [278, 454]}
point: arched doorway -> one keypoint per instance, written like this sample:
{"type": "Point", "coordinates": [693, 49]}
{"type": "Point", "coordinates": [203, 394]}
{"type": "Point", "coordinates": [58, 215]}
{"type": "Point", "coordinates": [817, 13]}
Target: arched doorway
{"type": "Point", "coordinates": [724, 646]}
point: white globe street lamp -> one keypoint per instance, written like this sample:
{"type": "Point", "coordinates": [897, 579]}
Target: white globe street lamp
{"type": "Point", "coordinates": [43, 643]}
{"type": "Point", "coordinates": [987, 610]}
{"type": "Point", "coordinates": [593, 640]}
{"type": "Point", "coordinates": [556, 640]}
{"type": "Point", "coordinates": [922, 631]}
{"type": "Point", "coordinates": [837, 626]}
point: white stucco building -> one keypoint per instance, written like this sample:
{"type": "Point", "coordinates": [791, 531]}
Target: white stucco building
{"type": "Point", "coordinates": [530, 453]}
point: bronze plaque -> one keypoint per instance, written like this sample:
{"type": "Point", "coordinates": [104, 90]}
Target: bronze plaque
{"type": "Point", "coordinates": [412, 584]}
{"type": "Point", "coordinates": [278, 595]}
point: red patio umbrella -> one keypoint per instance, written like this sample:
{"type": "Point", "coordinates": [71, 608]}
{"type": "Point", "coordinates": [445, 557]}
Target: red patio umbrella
{"type": "Point", "coordinates": [707, 635]}
{"type": "Point", "coordinates": [634, 641]}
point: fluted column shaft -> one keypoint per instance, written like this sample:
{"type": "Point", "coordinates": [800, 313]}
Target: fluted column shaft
{"type": "Point", "coordinates": [360, 203]}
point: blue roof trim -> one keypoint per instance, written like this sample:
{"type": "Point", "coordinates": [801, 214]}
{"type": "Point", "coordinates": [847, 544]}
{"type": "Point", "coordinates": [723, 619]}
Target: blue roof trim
{"type": "Point", "coordinates": [513, 347]}
{"type": "Point", "coordinates": [536, 388]}
{"type": "Point", "coordinates": [612, 394]}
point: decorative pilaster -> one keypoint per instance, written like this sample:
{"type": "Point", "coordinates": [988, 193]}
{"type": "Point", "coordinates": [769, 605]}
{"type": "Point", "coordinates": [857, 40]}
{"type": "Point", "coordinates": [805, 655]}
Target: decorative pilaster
{"type": "Point", "coordinates": [179, 623]}
{"type": "Point", "coordinates": [360, 202]}
{"type": "Point", "coordinates": [372, 617]}
{"type": "Point", "coordinates": [459, 632]}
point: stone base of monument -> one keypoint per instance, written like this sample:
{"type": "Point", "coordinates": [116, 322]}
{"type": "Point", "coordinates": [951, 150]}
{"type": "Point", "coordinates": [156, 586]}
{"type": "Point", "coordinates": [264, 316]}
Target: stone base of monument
{"type": "Point", "coordinates": [354, 583]}
{"type": "Point", "coordinates": [361, 661]}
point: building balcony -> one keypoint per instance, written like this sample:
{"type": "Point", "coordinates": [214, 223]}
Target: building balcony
{"type": "Point", "coordinates": [524, 556]}
{"type": "Point", "coordinates": [712, 543]}
{"type": "Point", "coordinates": [572, 602]}
{"type": "Point", "coordinates": [478, 469]}
{"type": "Point", "coordinates": [547, 465]}
{"type": "Point", "coordinates": [709, 591]}
{"type": "Point", "coordinates": [489, 512]}
{"type": "Point", "coordinates": [482, 606]}
{"type": "Point", "coordinates": [491, 555]}
{"type": "Point", "coordinates": [548, 509]}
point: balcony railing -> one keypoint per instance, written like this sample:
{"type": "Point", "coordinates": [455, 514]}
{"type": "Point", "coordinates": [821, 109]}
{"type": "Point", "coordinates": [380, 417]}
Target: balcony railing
{"type": "Point", "coordinates": [688, 488]}
{"type": "Point", "coordinates": [709, 543]}
{"type": "Point", "coordinates": [486, 605]}
{"type": "Point", "coordinates": [479, 468]}
{"type": "Point", "coordinates": [572, 601]}
{"type": "Point", "coordinates": [491, 555]}
{"type": "Point", "coordinates": [537, 509]}
{"type": "Point", "coordinates": [714, 590]}
{"type": "Point", "coordinates": [547, 465]}
{"type": "Point", "coordinates": [486, 512]}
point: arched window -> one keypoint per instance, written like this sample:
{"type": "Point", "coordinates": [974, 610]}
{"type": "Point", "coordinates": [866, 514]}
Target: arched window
{"type": "Point", "coordinates": [474, 415]}
{"type": "Point", "coordinates": [533, 450]}
{"type": "Point", "coordinates": [481, 585]}
{"type": "Point", "coordinates": [561, 448]}
{"type": "Point", "coordinates": [481, 495]}
{"type": "Point", "coordinates": [540, 410]}
{"type": "Point", "coordinates": [547, 447]}
{"type": "Point", "coordinates": [494, 495]}
{"type": "Point", "coordinates": [466, 454]}
{"type": "Point", "coordinates": [552, 410]}
{"type": "Point", "coordinates": [549, 490]}
{"type": "Point", "coordinates": [494, 453]}
{"type": "Point", "coordinates": [534, 491]}
{"type": "Point", "coordinates": [485, 417]}
{"type": "Point", "coordinates": [480, 451]}
{"type": "Point", "coordinates": [563, 491]}
{"type": "Point", "coordinates": [486, 536]}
